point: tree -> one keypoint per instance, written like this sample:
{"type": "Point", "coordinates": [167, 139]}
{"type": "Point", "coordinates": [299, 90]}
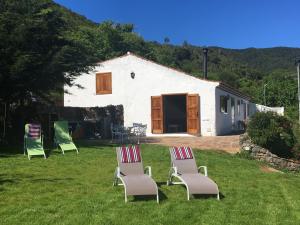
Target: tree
{"type": "Point", "coordinates": [40, 51]}
{"type": "Point", "coordinates": [166, 40]}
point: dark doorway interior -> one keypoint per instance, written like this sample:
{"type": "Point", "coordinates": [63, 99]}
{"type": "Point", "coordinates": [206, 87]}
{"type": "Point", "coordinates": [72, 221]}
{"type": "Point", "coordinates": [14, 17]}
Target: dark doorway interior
{"type": "Point", "coordinates": [174, 107]}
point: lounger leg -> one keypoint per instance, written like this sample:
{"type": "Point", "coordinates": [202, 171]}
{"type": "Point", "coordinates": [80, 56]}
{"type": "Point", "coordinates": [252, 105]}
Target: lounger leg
{"type": "Point", "coordinates": [157, 198]}
{"type": "Point", "coordinates": [115, 183]}
{"type": "Point", "coordinates": [28, 156]}
{"type": "Point", "coordinates": [218, 196]}
{"type": "Point", "coordinates": [169, 181]}
{"type": "Point", "coordinates": [125, 198]}
{"type": "Point", "coordinates": [45, 156]}
{"type": "Point", "coordinates": [188, 195]}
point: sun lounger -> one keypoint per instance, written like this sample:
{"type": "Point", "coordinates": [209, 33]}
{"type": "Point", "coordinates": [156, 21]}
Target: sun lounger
{"type": "Point", "coordinates": [184, 168]}
{"type": "Point", "coordinates": [132, 175]}
{"type": "Point", "coordinates": [33, 140]}
{"type": "Point", "coordinates": [62, 137]}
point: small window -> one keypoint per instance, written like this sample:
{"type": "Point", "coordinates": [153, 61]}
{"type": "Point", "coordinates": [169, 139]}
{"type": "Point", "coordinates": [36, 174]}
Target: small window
{"type": "Point", "coordinates": [239, 107]}
{"type": "Point", "coordinates": [223, 104]}
{"type": "Point", "coordinates": [103, 83]}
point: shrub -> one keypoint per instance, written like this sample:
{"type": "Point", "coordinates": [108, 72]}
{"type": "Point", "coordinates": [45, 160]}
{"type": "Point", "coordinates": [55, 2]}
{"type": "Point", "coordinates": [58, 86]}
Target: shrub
{"type": "Point", "coordinates": [273, 132]}
{"type": "Point", "coordinates": [296, 148]}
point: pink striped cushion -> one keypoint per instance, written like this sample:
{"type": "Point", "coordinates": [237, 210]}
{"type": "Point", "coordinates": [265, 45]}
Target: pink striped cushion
{"type": "Point", "coordinates": [181, 153]}
{"type": "Point", "coordinates": [130, 154]}
{"type": "Point", "coordinates": [34, 130]}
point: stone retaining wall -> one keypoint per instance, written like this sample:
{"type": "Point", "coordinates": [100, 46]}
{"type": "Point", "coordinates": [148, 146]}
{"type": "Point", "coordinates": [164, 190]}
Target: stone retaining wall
{"type": "Point", "coordinates": [265, 155]}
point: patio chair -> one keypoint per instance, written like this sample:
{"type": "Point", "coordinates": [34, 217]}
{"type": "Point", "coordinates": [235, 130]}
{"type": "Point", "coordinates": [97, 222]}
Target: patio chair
{"type": "Point", "coordinates": [62, 138]}
{"type": "Point", "coordinates": [118, 133]}
{"type": "Point", "coordinates": [139, 130]}
{"type": "Point", "coordinates": [132, 175]}
{"type": "Point", "coordinates": [33, 140]}
{"type": "Point", "coordinates": [184, 168]}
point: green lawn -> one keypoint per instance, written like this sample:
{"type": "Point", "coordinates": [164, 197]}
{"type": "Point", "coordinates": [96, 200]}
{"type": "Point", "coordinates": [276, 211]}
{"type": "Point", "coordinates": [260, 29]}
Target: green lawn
{"type": "Point", "coordinates": [77, 189]}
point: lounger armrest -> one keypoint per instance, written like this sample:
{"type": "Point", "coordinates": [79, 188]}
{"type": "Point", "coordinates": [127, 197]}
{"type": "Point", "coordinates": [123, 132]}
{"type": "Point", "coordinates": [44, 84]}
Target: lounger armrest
{"type": "Point", "coordinates": [148, 168]}
{"type": "Point", "coordinates": [205, 170]}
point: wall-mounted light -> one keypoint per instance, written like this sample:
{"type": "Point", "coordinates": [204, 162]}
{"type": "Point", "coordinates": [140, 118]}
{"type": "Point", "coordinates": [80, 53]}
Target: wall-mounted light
{"type": "Point", "coordinates": [132, 74]}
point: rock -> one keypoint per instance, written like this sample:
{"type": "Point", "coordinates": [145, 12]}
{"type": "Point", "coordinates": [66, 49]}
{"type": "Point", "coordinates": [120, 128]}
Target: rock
{"type": "Point", "coordinates": [247, 148]}
{"type": "Point", "coordinates": [255, 149]}
{"type": "Point", "coordinates": [262, 154]}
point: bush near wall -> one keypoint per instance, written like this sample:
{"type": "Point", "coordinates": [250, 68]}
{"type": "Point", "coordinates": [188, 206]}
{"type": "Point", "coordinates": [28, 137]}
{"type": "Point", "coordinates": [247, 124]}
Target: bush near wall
{"type": "Point", "coordinates": [273, 132]}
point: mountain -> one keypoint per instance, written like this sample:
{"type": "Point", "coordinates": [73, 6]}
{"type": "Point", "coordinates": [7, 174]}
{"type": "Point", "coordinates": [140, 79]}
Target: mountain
{"type": "Point", "coordinates": [248, 70]}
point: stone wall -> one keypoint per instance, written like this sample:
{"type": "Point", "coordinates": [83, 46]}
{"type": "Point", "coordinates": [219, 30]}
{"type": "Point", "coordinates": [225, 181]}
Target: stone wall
{"type": "Point", "coordinates": [265, 155]}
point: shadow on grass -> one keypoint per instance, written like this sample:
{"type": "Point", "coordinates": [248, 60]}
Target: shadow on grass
{"type": "Point", "coordinates": [94, 143]}
{"type": "Point", "coordinates": [198, 196]}
{"type": "Point", "coordinates": [51, 180]}
{"type": "Point", "coordinates": [109, 143]}
{"type": "Point", "coordinates": [205, 196]}
{"type": "Point", "coordinates": [161, 183]}
{"type": "Point", "coordinates": [10, 151]}
{"type": "Point", "coordinates": [4, 180]}
{"type": "Point", "coordinates": [13, 150]}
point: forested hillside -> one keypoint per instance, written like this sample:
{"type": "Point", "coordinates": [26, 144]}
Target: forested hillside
{"type": "Point", "coordinates": [245, 69]}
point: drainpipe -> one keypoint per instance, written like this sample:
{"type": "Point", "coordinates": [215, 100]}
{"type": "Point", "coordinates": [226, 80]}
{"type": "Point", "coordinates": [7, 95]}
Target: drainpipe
{"type": "Point", "coordinates": [205, 52]}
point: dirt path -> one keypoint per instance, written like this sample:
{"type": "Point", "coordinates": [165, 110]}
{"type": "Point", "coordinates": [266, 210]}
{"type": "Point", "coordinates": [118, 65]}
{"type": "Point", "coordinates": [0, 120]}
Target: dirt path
{"type": "Point", "coordinates": [225, 143]}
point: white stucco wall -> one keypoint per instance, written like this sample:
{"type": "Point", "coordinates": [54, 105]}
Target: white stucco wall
{"type": "Point", "coordinates": [226, 123]}
{"type": "Point", "coordinates": [135, 94]}
{"type": "Point", "coordinates": [263, 108]}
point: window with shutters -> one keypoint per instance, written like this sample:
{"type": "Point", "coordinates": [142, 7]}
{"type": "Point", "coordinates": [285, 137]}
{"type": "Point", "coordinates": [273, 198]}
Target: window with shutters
{"type": "Point", "coordinates": [103, 83]}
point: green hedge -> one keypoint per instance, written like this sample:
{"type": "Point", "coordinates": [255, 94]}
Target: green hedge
{"type": "Point", "coordinates": [273, 132]}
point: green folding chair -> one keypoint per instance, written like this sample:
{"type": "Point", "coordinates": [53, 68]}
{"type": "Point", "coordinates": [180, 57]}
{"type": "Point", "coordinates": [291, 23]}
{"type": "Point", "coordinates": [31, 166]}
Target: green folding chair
{"type": "Point", "coordinates": [33, 140]}
{"type": "Point", "coordinates": [62, 138]}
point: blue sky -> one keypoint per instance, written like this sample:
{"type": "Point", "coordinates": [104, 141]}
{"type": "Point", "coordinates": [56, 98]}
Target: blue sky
{"type": "Point", "coordinates": [224, 23]}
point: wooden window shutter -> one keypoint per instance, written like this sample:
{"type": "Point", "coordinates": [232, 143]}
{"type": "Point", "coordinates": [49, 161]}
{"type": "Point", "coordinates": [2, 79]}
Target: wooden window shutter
{"type": "Point", "coordinates": [193, 114]}
{"type": "Point", "coordinates": [103, 83]}
{"type": "Point", "coordinates": [157, 114]}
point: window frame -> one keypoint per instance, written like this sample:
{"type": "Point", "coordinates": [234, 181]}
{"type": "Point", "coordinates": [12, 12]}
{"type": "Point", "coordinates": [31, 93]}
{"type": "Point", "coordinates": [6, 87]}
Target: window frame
{"type": "Point", "coordinates": [104, 90]}
{"type": "Point", "coordinates": [224, 99]}
{"type": "Point", "coordinates": [232, 106]}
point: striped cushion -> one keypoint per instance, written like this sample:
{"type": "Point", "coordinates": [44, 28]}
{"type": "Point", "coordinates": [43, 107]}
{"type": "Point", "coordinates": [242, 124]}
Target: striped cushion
{"type": "Point", "coordinates": [181, 153]}
{"type": "Point", "coordinates": [34, 131]}
{"type": "Point", "coordinates": [130, 154]}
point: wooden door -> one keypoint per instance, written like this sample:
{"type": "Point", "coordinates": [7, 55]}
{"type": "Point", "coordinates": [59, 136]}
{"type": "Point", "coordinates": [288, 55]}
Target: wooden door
{"type": "Point", "coordinates": [193, 115]}
{"type": "Point", "coordinates": [157, 114]}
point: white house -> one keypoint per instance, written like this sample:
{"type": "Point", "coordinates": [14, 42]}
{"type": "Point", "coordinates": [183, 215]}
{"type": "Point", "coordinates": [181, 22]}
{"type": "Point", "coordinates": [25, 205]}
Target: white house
{"type": "Point", "coordinates": [167, 100]}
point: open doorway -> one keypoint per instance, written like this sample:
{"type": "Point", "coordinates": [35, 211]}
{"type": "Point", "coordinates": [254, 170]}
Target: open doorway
{"type": "Point", "coordinates": [174, 113]}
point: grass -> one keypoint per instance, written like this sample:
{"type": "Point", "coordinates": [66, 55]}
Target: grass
{"type": "Point", "coordinates": [77, 189]}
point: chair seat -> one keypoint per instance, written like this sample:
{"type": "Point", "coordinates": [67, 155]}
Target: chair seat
{"type": "Point", "coordinates": [139, 185]}
{"type": "Point", "coordinates": [67, 146]}
{"type": "Point", "coordinates": [200, 184]}
{"type": "Point", "coordinates": [35, 151]}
